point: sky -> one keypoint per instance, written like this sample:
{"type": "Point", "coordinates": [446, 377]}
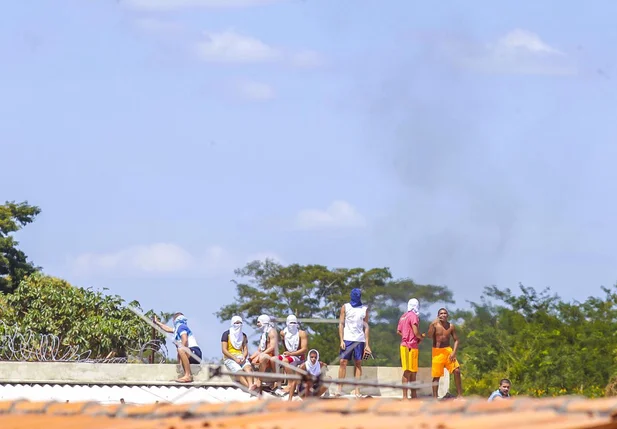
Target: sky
{"type": "Point", "coordinates": [169, 142]}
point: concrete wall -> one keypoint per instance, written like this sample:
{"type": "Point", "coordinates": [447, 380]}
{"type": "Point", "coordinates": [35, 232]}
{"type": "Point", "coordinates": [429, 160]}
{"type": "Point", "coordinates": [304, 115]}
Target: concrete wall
{"type": "Point", "coordinates": [164, 374]}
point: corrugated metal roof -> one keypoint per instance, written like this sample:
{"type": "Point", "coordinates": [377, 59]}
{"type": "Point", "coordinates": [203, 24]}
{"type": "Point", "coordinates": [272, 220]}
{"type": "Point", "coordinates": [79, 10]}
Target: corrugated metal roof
{"type": "Point", "coordinates": [551, 413]}
{"type": "Point", "coordinates": [106, 394]}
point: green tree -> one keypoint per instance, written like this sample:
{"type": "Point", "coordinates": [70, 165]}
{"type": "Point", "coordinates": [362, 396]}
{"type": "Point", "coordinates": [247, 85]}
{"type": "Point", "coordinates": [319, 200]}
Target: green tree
{"type": "Point", "coordinates": [84, 319]}
{"type": "Point", "coordinates": [14, 264]}
{"type": "Point", "coordinates": [545, 346]}
{"type": "Point", "coordinates": [316, 292]}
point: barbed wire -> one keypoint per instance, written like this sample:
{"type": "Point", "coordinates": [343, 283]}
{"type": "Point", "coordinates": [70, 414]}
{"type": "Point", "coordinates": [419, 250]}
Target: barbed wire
{"type": "Point", "coordinates": [25, 345]}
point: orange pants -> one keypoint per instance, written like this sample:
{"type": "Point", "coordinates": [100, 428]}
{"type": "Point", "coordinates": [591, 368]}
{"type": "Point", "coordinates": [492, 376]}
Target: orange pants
{"type": "Point", "coordinates": [441, 360]}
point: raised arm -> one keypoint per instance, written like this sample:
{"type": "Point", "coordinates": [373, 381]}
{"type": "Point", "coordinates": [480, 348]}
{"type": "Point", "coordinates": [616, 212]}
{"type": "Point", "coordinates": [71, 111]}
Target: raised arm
{"type": "Point", "coordinates": [163, 326]}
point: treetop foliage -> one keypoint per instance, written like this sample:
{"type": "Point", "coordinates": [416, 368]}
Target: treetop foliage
{"type": "Point", "coordinates": [14, 264]}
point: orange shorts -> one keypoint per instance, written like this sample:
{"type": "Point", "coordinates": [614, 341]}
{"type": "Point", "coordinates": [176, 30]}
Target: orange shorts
{"type": "Point", "coordinates": [441, 360]}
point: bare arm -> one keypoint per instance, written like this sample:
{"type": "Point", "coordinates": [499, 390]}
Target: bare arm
{"type": "Point", "coordinates": [431, 331]}
{"type": "Point", "coordinates": [184, 338]}
{"type": "Point", "coordinates": [163, 326]}
{"type": "Point", "coordinates": [367, 331]}
{"type": "Point", "coordinates": [245, 348]}
{"type": "Point", "coordinates": [272, 343]}
{"type": "Point", "coordinates": [417, 333]}
{"type": "Point", "coordinates": [455, 338]}
{"type": "Point", "coordinates": [225, 351]}
{"type": "Point", "coordinates": [341, 323]}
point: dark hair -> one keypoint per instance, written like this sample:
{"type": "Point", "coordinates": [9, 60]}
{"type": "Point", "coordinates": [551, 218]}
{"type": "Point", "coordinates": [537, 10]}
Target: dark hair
{"type": "Point", "coordinates": [504, 380]}
{"type": "Point", "coordinates": [313, 352]}
{"type": "Point", "coordinates": [176, 315]}
{"type": "Point", "coordinates": [442, 308]}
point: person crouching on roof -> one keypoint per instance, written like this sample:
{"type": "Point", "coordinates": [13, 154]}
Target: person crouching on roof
{"type": "Point", "coordinates": [315, 368]}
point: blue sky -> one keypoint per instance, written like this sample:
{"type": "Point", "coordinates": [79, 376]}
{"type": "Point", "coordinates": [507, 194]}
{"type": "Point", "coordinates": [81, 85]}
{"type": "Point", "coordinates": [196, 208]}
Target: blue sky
{"type": "Point", "coordinates": [169, 142]}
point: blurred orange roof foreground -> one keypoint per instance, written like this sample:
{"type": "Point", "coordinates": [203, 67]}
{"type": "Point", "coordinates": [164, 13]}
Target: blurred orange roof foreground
{"type": "Point", "coordinates": [552, 413]}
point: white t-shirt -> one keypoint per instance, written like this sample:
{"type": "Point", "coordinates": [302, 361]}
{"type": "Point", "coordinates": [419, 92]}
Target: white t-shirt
{"type": "Point", "coordinates": [354, 323]}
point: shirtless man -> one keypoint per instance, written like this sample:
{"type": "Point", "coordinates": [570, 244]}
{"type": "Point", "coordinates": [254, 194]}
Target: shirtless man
{"type": "Point", "coordinates": [295, 342]}
{"type": "Point", "coordinates": [444, 356]}
{"type": "Point", "coordinates": [267, 346]}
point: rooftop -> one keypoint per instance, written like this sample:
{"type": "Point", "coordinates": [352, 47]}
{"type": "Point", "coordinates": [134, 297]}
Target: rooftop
{"type": "Point", "coordinates": [551, 413]}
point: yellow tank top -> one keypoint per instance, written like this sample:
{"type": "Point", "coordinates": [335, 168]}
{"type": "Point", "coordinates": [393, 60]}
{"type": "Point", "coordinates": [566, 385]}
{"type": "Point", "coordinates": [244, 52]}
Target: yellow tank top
{"type": "Point", "coordinates": [232, 349]}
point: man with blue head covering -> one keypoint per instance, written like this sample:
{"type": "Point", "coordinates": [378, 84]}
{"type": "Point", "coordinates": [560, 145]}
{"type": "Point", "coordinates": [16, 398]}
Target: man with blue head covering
{"type": "Point", "coordinates": [354, 336]}
{"type": "Point", "coordinates": [188, 350]}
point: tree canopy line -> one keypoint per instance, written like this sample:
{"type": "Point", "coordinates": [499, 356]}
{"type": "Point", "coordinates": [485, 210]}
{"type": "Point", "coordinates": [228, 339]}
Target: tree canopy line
{"type": "Point", "coordinates": [545, 345]}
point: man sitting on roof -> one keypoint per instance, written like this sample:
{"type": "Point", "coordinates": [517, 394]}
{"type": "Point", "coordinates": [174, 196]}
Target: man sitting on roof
{"type": "Point", "coordinates": [268, 343]}
{"type": "Point", "coordinates": [234, 345]}
{"type": "Point", "coordinates": [295, 342]}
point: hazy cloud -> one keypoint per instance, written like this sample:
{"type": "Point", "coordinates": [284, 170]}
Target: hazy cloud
{"type": "Point", "coordinates": [339, 214]}
{"type": "Point", "coordinates": [517, 52]}
{"type": "Point", "coordinates": [231, 47]}
{"type": "Point", "coordinates": [158, 259]}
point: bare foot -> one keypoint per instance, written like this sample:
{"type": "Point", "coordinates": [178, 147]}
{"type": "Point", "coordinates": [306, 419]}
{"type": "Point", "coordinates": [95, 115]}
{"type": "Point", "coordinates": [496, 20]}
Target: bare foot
{"type": "Point", "coordinates": [185, 379]}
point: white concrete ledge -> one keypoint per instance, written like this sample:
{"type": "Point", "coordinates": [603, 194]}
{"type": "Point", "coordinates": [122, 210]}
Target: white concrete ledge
{"type": "Point", "coordinates": [164, 374]}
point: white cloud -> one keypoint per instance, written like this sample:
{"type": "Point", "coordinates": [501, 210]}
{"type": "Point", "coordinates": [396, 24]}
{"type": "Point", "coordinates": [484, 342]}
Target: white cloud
{"type": "Point", "coordinates": [518, 52]}
{"type": "Point", "coordinates": [159, 259]}
{"type": "Point", "coordinates": [162, 5]}
{"type": "Point", "coordinates": [231, 47]}
{"type": "Point", "coordinates": [340, 214]}
{"type": "Point", "coordinates": [257, 91]}
{"type": "Point", "coordinates": [154, 258]}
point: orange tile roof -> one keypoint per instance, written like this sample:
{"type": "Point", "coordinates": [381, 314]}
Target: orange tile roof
{"type": "Point", "coordinates": [552, 413]}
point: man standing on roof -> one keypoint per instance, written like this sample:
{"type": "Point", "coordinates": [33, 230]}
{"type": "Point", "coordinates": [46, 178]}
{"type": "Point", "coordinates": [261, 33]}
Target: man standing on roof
{"type": "Point", "coordinates": [354, 337]}
{"type": "Point", "coordinates": [268, 345]}
{"type": "Point", "coordinates": [234, 345]}
{"type": "Point", "coordinates": [410, 340]}
{"type": "Point", "coordinates": [188, 350]}
{"type": "Point", "coordinates": [444, 356]}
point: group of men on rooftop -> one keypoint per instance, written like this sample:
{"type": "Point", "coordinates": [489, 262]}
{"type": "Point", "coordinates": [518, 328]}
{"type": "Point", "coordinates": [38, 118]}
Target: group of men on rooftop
{"type": "Point", "coordinates": [354, 335]}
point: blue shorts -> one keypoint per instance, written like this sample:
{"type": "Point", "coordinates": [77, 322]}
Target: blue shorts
{"type": "Point", "coordinates": [353, 349]}
{"type": "Point", "coordinates": [197, 352]}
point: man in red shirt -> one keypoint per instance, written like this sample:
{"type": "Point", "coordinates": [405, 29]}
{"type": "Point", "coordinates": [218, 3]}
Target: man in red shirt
{"type": "Point", "coordinates": [410, 339]}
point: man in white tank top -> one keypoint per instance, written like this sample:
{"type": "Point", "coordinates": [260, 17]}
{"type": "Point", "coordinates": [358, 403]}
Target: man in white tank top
{"type": "Point", "coordinates": [354, 336]}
